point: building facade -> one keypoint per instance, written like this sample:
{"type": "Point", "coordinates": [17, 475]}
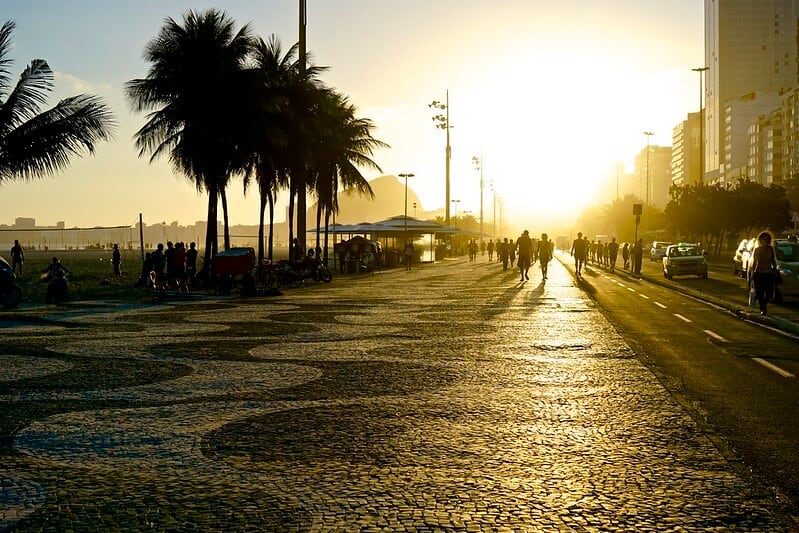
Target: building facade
{"type": "Point", "coordinates": [653, 175]}
{"type": "Point", "coordinates": [750, 46]}
{"type": "Point", "coordinates": [685, 151]}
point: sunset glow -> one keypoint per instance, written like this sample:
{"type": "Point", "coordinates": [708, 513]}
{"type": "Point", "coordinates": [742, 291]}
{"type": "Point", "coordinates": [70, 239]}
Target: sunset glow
{"type": "Point", "coordinates": [550, 94]}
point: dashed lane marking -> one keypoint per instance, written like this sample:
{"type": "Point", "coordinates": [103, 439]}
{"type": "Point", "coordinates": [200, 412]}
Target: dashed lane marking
{"type": "Point", "coordinates": [684, 319]}
{"type": "Point", "coordinates": [630, 289]}
{"type": "Point", "coordinates": [714, 335]}
{"type": "Point", "coordinates": [644, 296]}
{"type": "Point", "coordinates": [773, 368]}
{"type": "Point", "coordinates": [659, 305]}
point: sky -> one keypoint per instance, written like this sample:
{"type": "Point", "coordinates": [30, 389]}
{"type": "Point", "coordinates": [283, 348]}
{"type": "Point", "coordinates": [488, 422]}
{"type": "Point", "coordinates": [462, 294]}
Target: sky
{"type": "Point", "coordinates": [550, 94]}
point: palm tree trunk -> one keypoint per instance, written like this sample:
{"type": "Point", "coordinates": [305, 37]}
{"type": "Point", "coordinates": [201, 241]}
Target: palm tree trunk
{"type": "Point", "coordinates": [262, 207]}
{"type": "Point", "coordinates": [271, 199]}
{"type": "Point", "coordinates": [226, 227]}
{"type": "Point", "coordinates": [210, 231]}
{"type": "Point", "coordinates": [327, 227]}
{"type": "Point", "coordinates": [290, 222]}
{"type": "Point", "coordinates": [318, 222]}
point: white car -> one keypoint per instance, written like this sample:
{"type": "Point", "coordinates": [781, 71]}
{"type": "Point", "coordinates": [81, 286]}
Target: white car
{"type": "Point", "coordinates": [658, 250]}
{"type": "Point", "coordinates": [684, 259]}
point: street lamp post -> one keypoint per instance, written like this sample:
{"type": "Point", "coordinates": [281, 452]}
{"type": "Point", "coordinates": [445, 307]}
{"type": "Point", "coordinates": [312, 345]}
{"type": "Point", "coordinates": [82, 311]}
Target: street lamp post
{"type": "Point", "coordinates": [442, 122]}
{"type": "Point", "coordinates": [455, 205]}
{"type": "Point", "coordinates": [405, 234]}
{"type": "Point", "coordinates": [701, 71]}
{"type": "Point", "coordinates": [478, 164]}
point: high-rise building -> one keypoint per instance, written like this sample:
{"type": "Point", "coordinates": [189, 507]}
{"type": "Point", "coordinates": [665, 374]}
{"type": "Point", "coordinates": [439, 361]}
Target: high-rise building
{"type": "Point", "coordinates": [750, 46]}
{"type": "Point", "coordinates": [685, 151]}
{"type": "Point", "coordinates": [653, 174]}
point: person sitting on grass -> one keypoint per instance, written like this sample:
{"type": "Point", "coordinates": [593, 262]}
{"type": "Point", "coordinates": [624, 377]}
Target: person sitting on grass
{"type": "Point", "coordinates": [57, 289]}
{"type": "Point", "coordinates": [53, 269]}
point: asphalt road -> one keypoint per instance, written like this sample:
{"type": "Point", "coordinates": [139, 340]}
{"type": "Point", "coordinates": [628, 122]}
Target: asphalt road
{"type": "Point", "coordinates": [737, 376]}
{"type": "Point", "coordinates": [453, 397]}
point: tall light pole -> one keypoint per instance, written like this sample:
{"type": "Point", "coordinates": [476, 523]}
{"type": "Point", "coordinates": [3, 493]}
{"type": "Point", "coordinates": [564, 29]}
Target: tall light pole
{"type": "Point", "coordinates": [494, 209]}
{"type": "Point", "coordinates": [455, 203]}
{"type": "Point", "coordinates": [405, 234]}
{"type": "Point", "coordinates": [478, 164]}
{"type": "Point", "coordinates": [442, 122]}
{"type": "Point", "coordinates": [301, 178]}
{"type": "Point", "coordinates": [701, 71]}
{"type": "Point", "coordinates": [646, 196]}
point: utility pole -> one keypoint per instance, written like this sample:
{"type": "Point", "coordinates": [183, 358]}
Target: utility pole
{"type": "Point", "coordinates": [300, 180]}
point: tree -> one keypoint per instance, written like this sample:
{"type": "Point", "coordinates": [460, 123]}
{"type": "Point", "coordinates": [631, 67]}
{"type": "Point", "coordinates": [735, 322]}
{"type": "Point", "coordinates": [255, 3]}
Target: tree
{"type": "Point", "coordinates": [36, 143]}
{"type": "Point", "coordinates": [195, 94]}
{"type": "Point", "coordinates": [344, 143]}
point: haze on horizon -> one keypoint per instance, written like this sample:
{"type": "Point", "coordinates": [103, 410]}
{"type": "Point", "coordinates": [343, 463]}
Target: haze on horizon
{"type": "Point", "coordinates": [550, 94]}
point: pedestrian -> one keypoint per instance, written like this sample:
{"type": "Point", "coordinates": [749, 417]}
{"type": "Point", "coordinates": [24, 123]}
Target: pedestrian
{"type": "Point", "coordinates": [146, 268]}
{"type": "Point", "coordinates": [638, 256]}
{"type": "Point", "coordinates": [511, 252]}
{"type": "Point", "coordinates": [490, 248]}
{"type": "Point", "coordinates": [17, 257]}
{"type": "Point", "coordinates": [544, 254]}
{"type": "Point", "coordinates": [763, 270]}
{"type": "Point", "coordinates": [191, 262]}
{"type": "Point", "coordinates": [524, 246]}
{"type": "Point", "coordinates": [408, 253]}
{"type": "Point", "coordinates": [613, 253]}
{"type": "Point", "coordinates": [116, 260]}
{"type": "Point", "coordinates": [625, 255]}
{"type": "Point", "coordinates": [159, 262]}
{"type": "Point", "coordinates": [579, 251]}
{"type": "Point", "coordinates": [57, 289]}
{"type": "Point", "coordinates": [504, 253]}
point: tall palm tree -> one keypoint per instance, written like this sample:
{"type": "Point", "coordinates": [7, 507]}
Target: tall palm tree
{"type": "Point", "coordinates": [283, 100]}
{"type": "Point", "coordinates": [344, 144]}
{"type": "Point", "coordinates": [195, 96]}
{"type": "Point", "coordinates": [36, 143]}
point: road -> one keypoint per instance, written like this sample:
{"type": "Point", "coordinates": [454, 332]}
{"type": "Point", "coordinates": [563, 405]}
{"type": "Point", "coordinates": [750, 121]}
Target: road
{"type": "Point", "coordinates": [448, 398]}
{"type": "Point", "coordinates": [739, 377]}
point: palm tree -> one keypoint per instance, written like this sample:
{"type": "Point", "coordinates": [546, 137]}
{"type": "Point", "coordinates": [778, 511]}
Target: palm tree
{"type": "Point", "coordinates": [36, 143]}
{"type": "Point", "coordinates": [195, 97]}
{"type": "Point", "coordinates": [344, 143]}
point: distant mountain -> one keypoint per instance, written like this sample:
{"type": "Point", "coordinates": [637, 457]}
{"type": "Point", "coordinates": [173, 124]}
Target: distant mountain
{"type": "Point", "coordinates": [388, 202]}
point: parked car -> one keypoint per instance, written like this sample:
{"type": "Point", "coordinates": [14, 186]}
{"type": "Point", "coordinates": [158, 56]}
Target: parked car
{"type": "Point", "coordinates": [10, 292]}
{"type": "Point", "coordinates": [740, 260]}
{"type": "Point", "coordinates": [684, 259]}
{"type": "Point", "coordinates": [658, 250]}
{"type": "Point", "coordinates": [787, 252]}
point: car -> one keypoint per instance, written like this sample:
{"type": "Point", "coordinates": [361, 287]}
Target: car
{"type": "Point", "coordinates": [787, 252]}
{"type": "Point", "coordinates": [684, 259]}
{"type": "Point", "coordinates": [658, 250]}
{"type": "Point", "coordinates": [740, 260]}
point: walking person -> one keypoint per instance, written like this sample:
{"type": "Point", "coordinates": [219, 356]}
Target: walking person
{"type": "Point", "coordinates": [408, 255]}
{"type": "Point", "coordinates": [638, 256]}
{"type": "Point", "coordinates": [764, 270]}
{"type": "Point", "coordinates": [578, 251]}
{"type": "Point", "coordinates": [504, 252]}
{"type": "Point", "coordinates": [544, 254]}
{"type": "Point", "coordinates": [17, 257]}
{"type": "Point", "coordinates": [490, 248]}
{"type": "Point", "coordinates": [524, 245]}
{"type": "Point", "coordinates": [613, 253]}
{"type": "Point", "coordinates": [625, 255]}
{"type": "Point", "coordinates": [116, 260]}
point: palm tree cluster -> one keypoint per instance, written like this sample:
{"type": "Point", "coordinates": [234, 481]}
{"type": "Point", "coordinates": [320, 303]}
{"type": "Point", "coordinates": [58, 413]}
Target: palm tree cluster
{"type": "Point", "coordinates": [35, 143]}
{"type": "Point", "coordinates": [223, 103]}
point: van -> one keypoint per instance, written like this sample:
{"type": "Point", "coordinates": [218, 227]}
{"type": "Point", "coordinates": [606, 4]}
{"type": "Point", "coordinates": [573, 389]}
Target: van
{"type": "Point", "coordinates": [658, 250]}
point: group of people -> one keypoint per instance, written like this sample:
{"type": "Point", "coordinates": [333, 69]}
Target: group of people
{"type": "Point", "coordinates": [175, 264]}
{"type": "Point", "coordinates": [597, 252]}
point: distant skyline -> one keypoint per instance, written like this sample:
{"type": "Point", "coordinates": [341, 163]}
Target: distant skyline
{"type": "Point", "coordinates": [552, 94]}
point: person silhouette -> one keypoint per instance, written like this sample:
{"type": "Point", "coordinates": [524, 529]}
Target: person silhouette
{"type": "Point", "coordinates": [544, 254]}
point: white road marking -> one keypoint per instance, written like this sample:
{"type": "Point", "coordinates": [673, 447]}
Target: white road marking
{"type": "Point", "coordinates": [630, 289]}
{"type": "Point", "coordinates": [659, 305]}
{"type": "Point", "coordinates": [621, 284]}
{"type": "Point", "coordinates": [773, 367]}
{"type": "Point", "coordinates": [715, 335]}
{"type": "Point", "coordinates": [682, 317]}
{"type": "Point", "coordinates": [644, 296]}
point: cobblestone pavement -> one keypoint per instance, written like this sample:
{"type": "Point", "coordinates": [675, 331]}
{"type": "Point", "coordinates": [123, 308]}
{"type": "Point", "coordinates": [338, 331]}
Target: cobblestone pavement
{"type": "Point", "coordinates": [447, 398]}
